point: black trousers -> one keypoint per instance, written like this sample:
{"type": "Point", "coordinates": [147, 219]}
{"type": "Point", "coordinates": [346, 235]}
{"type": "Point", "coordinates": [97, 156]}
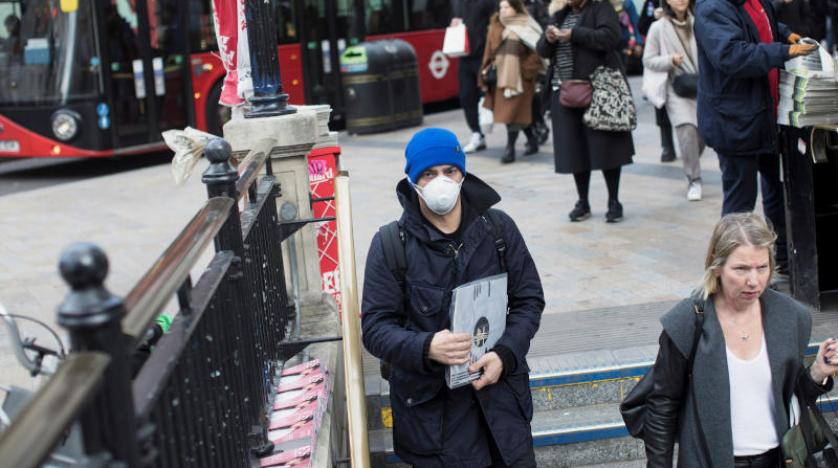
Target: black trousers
{"type": "Point", "coordinates": [739, 182]}
{"type": "Point", "coordinates": [469, 92]}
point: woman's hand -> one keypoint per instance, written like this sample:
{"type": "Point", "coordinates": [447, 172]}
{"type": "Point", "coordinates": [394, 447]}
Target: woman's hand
{"type": "Point", "coordinates": [797, 50]}
{"type": "Point", "coordinates": [677, 60]}
{"type": "Point", "coordinates": [826, 362]}
{"type": "Point", "coordinates": [564, 35]}
{"type": "Point", "coordinates": [552, 34]}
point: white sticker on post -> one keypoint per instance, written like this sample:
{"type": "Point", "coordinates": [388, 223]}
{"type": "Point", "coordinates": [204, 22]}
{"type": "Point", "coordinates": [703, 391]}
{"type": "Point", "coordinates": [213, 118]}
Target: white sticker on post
{"type": "Point", "coordinates": [139, 79]}
{"type": "Point", "coordinates": [159, 76]}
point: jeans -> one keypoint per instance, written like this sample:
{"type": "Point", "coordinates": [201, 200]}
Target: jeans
{"type": "Point", "coordinates": [739, 182]}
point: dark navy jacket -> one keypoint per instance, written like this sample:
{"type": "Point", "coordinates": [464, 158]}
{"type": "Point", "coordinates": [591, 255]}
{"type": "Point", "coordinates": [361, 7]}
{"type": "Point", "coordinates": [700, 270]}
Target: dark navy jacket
{"type": "Point", "coordinates": [418, 394]}
{"type": "Point", "coordinates": [735, 109]}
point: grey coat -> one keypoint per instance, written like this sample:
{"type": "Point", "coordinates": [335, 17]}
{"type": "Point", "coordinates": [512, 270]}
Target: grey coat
{"type": "Point", "coordinates": [661, 43]}
{"type": "Point", "coordinates": [787, 326]}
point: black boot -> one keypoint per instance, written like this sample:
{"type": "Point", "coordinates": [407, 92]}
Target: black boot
{"type": "Point", "coordinates": [668, 154]}
{"type": "Point", "coordinates": [532, 141]}
{"type": "Point", "coordinates": [509, 152]}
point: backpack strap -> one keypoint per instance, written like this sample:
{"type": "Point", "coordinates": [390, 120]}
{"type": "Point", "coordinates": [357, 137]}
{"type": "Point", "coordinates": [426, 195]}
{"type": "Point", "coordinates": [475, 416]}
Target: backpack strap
{"type": "Point", "coordinates": [392, 243]}
{"type": "Point", "coordinates": [496, 227]}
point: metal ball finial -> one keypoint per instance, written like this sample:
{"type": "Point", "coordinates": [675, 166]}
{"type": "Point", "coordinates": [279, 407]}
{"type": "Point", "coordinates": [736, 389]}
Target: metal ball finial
{"type": "Point", "coordinates": [218, 150]}
{"type": "Point", "coordinates": [83, 265]}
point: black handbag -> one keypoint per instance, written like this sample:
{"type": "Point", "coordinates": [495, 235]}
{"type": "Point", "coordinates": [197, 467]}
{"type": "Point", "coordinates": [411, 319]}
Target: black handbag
{"type": "Point", "coordinates": [490, 76]}
{"type": "Point", "coordinates": [686, 85]}
{"type": "Point", "coordinates": [633, 408]}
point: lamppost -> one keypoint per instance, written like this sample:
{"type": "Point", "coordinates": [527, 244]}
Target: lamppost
{"type": "Point", "coordinates": [268, 98]}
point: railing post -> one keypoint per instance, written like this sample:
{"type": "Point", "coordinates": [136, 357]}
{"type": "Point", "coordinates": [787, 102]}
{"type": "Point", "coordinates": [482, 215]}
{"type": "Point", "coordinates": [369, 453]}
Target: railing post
{"type": "Point", "coordinates": [220, 179]}
{"type": "Point", "coordinates": [92, 315]}
{"type": "Point", "coordinates": [268, 98]}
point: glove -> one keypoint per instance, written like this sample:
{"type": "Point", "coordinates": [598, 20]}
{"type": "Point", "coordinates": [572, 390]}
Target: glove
{"type": "Point", "coordinates": [797, 50]}
{"type": "Point", "coordinates": [793, 38]}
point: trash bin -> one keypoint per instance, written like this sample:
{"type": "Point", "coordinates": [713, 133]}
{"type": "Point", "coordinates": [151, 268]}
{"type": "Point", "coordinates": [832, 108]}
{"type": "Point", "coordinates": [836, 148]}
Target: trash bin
{"type": "Point", "coordinates": [381, 86]}
{"type": "Point", "coordinates": [810, 169]}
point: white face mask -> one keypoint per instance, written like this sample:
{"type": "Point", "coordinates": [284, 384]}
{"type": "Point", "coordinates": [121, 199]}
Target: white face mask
{"type": "Point", "coordinates": [440, 194]}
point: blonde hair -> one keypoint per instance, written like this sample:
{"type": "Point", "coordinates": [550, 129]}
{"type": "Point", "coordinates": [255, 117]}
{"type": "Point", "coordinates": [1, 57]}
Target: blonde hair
{"type": "Point", "coordinates": [732, 231]}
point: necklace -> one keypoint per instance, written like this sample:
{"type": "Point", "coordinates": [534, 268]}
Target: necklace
{"type": "Point", "coordinates": [744, 336]}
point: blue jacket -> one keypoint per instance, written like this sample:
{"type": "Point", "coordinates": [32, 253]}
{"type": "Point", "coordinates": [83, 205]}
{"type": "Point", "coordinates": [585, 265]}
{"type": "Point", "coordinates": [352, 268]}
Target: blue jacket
{"type": "Point", "coordinates": [735, 109]}
{"type": "Point", "coordinates": [423, 407]}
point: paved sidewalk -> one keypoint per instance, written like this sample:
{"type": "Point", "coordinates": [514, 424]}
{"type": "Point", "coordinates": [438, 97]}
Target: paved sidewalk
{"type": "Point", "coordinates": [655, 255]}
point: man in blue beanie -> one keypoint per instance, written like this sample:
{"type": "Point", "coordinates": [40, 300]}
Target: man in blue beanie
{"type": "Point", "coordinates": [449, 235]}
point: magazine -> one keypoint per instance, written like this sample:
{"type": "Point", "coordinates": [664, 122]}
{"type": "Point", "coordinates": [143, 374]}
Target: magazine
{"type": "Point", "coordinates": [478, 308]}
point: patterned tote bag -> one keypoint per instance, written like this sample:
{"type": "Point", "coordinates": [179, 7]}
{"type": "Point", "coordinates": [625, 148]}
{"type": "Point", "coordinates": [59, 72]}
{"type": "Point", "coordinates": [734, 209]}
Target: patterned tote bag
{"type": "Point", "coordinates": [612, 107]}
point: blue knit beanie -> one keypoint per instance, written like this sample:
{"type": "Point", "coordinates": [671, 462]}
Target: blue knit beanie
{"type": "Point", "coordinates": [431, 147]}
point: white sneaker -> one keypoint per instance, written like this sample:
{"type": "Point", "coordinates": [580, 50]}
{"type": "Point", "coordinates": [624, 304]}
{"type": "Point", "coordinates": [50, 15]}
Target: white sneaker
{"type": "Point", "coordinates": [477, 143]}
{"type": "Point", "coordinates": [694, 191]}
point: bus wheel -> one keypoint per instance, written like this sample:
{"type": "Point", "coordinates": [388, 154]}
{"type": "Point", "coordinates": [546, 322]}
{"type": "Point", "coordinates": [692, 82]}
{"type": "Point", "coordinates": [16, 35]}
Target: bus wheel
{"type": "Point", "coordinates": [217, 115]}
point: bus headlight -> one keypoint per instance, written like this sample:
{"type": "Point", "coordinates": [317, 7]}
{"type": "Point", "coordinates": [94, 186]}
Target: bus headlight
{"type": "Point", "coordinates": [65, 124]}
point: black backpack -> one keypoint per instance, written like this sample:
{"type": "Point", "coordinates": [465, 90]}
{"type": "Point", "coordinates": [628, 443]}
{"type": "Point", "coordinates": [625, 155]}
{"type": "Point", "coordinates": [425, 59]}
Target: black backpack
{"type": "Point", "coordinates": [393, 239]}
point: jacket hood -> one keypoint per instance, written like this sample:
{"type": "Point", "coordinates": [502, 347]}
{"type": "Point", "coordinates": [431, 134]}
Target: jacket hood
{"type": "Point", "coordinates": [476, 193]}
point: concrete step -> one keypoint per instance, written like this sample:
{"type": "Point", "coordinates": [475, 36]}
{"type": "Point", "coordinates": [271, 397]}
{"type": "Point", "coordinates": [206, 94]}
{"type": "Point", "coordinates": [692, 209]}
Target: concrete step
{"type": "Point", "coordinates": [562, 437]}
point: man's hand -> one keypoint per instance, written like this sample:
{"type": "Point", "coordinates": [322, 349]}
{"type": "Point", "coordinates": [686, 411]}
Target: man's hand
{"type": "Point", "coordinates": [450, 348]}
{"type": "Point", "coordinates": [552, 34]}
{"type": "Point", "coordinates": [801, 49]}
{"type": "Point", "coordinates": [793, 38]}
{"type": "Point", "coordinates": [826, 362]}
{"type": "Point", "coordinates": [677, 60]}
{"type": "Point", "coordinates": [492, 368]}
{"type": "Point", "coordinates": [564, 35]}
{"type": "Point", "coordinates": [456, 22]}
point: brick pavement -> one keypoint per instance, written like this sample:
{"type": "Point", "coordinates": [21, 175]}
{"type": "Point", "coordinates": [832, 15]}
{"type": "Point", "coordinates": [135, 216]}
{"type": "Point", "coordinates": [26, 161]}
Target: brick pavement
{"type": "Point", "coordinates": [656, 254]}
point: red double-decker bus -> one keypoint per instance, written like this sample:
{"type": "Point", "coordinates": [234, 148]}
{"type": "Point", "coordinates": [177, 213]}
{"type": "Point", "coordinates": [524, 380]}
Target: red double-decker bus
{"type": "Point", "coordinates": [102, 78]}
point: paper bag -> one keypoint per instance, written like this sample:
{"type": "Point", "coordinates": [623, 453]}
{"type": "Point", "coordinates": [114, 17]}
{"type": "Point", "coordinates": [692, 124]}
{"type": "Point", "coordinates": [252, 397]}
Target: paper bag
{"type": "Point", "coordinates": [456, 41]}
{"type": "Point", "coordinates": [486, 117]}
{"type": "Point", "coordinates": [655, 84]}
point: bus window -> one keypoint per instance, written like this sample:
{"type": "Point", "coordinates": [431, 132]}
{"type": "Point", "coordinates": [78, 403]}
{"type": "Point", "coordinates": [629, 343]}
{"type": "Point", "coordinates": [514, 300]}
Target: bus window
{"type": "Point", "coordinates": [286, 22]}
{"type": "Point", "coordinates": [130, 113]}
{"type": "Point", "coordinates": [46, 55]}
{"type": "Point", "coordinates": [386, 16]}
{"type": "Point", "coordinates": [201, 29]}
{"type": "Point", "coordinates": [429, 14]}
{"type": "Point", "coordinates": [169, 55]}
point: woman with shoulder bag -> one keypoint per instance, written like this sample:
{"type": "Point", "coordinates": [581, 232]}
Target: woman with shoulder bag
{"type": "Point", "coordinates": [509, 71]}
{"type": "Point", "coordinates": [583, 36]}
{"type": "Point", "coordinates": [671, 48]}
{"type": "Point", "coordinates": [731, 408]}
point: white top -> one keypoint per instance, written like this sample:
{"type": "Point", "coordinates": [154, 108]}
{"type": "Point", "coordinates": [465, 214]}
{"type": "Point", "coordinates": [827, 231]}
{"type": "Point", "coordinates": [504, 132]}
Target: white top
{"type": "Point", "coordinates": [751, 404]}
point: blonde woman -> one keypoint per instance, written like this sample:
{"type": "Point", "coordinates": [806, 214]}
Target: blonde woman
{"type": "Point", "coordinates": [510, 56]}
{"type": "Point", "coordinates": [748, 361]}
{"type": "Point", "coordinates": [671, 48]}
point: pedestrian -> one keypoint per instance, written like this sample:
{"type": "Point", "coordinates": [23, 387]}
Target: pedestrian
{"type": "Point", "coordinates": [740, 47]}
{"type": "Point", "coordinates": [451, 236]}
{"type": "Point", "coordinates": [508, 73]}
{"type": "Point", "coordinates": [670, 48]}
{"type": "Point", "coordinates": [734, 409]}
{"type": "Point", "coordinates": [475, 14]}
{"type": "Point", "coordinates": [631, 41]}
{"type": "Point", "coordinates": [541, 99]}
{"type": "Point", "coordinates": [582, 36]}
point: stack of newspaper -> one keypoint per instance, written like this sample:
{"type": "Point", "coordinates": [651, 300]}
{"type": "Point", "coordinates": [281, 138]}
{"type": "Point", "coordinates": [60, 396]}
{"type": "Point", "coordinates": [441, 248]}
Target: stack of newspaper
{"type": "Point", "coordinates": [807, 100]}
{"type": "Point", "coordinates": [808, 91]}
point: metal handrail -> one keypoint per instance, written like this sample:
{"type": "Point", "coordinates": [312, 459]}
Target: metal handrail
{"type": "Point", "coordinates": [39, 426]}
{"type": "Point", "coordinates": [251, 166]}
{"type": "Point", "coordinates": [351, 328]}
{"type": "Point", "coordinates": [154, 290]}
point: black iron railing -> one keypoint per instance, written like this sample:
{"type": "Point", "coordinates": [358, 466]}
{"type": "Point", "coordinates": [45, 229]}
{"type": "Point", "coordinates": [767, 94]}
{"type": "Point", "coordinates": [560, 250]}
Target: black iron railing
{"type": "Point", "coordinates": [198, 395]}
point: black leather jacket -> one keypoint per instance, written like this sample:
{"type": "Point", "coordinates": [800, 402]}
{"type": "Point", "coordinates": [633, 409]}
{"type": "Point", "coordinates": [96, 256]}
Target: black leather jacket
{"type": "Point", "coordinates": [664, 404]}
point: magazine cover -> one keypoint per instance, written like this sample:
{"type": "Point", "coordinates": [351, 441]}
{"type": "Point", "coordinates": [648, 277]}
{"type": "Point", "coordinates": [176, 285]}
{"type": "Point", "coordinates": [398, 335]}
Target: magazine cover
{"type": "Point", "coordinates": [478, 308]}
